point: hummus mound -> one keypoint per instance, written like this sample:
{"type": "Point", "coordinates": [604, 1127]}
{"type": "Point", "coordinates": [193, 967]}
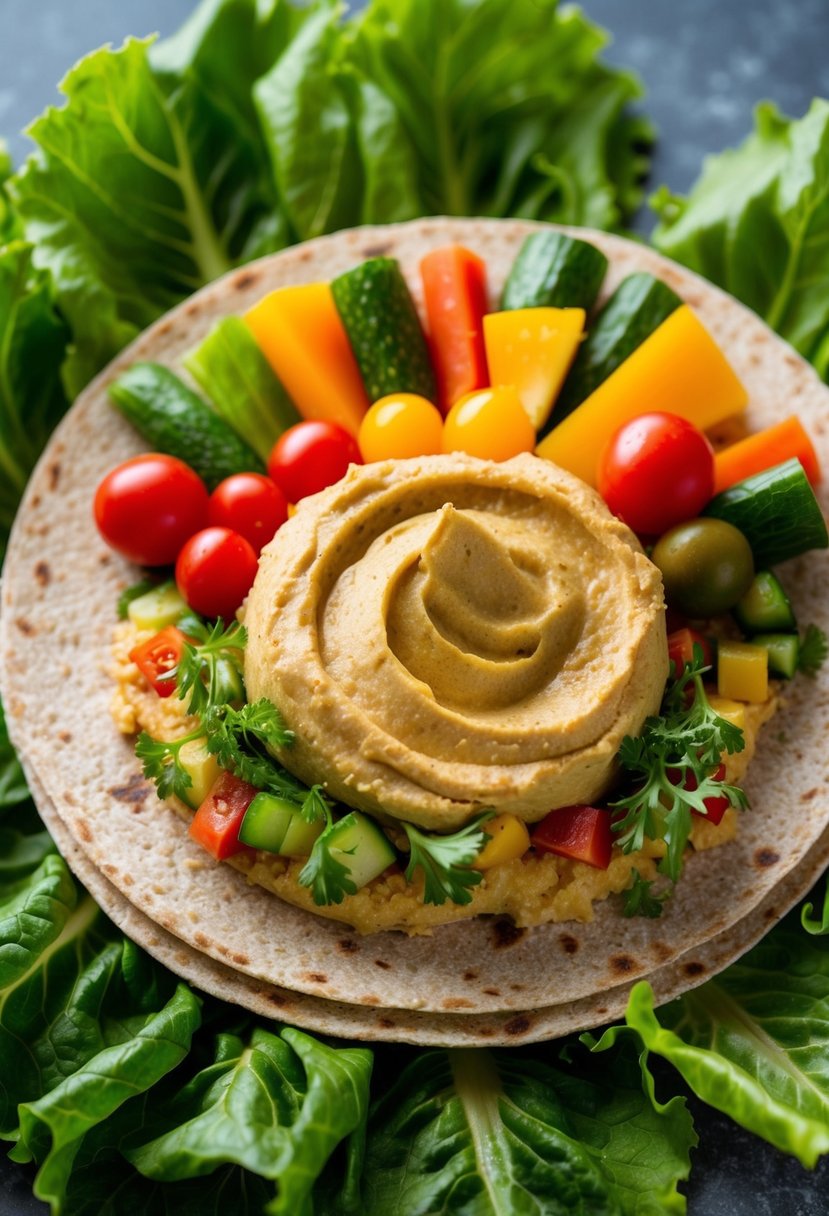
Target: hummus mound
{"type": "Point", "coordinates": [446, 634]}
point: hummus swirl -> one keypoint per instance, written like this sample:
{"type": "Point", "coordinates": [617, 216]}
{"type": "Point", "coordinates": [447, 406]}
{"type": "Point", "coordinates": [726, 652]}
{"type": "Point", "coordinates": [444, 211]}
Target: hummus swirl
{"type": "Point", "coordinates": [446, 634]}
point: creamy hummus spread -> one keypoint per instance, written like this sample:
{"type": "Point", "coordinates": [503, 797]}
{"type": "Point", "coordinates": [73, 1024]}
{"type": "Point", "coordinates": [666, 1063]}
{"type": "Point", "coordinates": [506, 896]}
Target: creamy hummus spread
{"type": "Point", "coordinates": [445, 634]}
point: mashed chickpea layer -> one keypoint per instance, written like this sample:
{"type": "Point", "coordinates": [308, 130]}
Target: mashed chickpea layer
{"type": "Point", "coordinates": [533, 890]}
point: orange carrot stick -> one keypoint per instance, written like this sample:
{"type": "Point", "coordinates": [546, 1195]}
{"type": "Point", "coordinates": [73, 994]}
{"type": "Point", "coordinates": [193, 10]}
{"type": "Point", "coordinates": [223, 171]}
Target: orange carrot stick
{"type": "Point", "coordinates": [454, 292]}
{"type": "Point", "coordinates": [765, 449]}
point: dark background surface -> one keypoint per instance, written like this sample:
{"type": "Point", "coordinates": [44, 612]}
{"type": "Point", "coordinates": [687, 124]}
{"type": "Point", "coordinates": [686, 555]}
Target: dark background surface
{"type": "Point", "coordinates": [704, 66]}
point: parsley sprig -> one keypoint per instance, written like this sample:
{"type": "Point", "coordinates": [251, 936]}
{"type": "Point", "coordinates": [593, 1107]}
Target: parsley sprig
{"type": "Point", "coordinates": [161, 762]}
{"type": "Point", "coordinates": [672, 765]}
{"type": "Point", "coordinates": [329, 878]}
{"type": "Point", "coordinates": [640, 899]}
{"type": "Point", "coordinates": [210, 672]}
{"type": "Point", "coordinates": [445, 861]}
{"type": "Point", "coordinates": [814, 649]}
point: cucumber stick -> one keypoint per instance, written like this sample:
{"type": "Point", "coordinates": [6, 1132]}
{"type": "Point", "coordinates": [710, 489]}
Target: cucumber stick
{"type": "Point", "coordinates": [553, 270]}
{"type": "Point", "coordinates": [776, 511]}
{"type": "Point", "coordinates": [637, 307]}
{"type": "Point", "coordinates": [380, 318]}
{"type": "Point", "coordinates": [173, 419]}
{"type": "Point", "coordinates": [231, 370]}
{"type": "Point", "coordinates": [765, 607]}
{"type": "Point", "coordinates": [361, 846]}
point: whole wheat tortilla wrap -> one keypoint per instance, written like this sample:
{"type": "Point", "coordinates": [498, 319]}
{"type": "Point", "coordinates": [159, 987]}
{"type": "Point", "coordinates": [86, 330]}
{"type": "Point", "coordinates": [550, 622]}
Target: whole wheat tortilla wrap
{"type": "Point", "coordinates": [59, 590]}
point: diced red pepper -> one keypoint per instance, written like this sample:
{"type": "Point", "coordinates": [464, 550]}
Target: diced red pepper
{"type": "Point", "coordinates": [716, 805]}
{"type": "Point", "coordinates": [681, 648]}
{"type": "Point", "coordinates": [582, 833]}
{"type": "Point", "coordinates": [454, 292]}
{"type": "Point", "coordinates": [215, 825]}
{"type": "Point", "coordinates": [158, 657]}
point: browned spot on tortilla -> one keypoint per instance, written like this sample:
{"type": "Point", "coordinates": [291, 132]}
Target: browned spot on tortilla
{"type": "Point", "coordinates": [809, 795]}
{"type": "Point", "coordinates": [241, 960]}
{"type": "Point", "coordinates": [518, 987]}
{"type": "Point", "coordinates": [222, 949]}
{"type": "Point", "coordinates": [694, 968]}
{"type": "Point", "coordinates": [377, 251]}
{"type": "Point", "coordinates": [316, 977]}
{"type": "Point", "coordinates": [568, 944]}
{"type": "Point", "coordinates": [65, 736]}
{"type": "Point", "coordinates": [456, 1002]}
{"type": "Point", "coordinates": [371, 999]}
{"type": "Point", "coordinates": [381, 962]}
{"type": "Point", "coordinates": [136, 790]}
{"type": "Point", "coordinates": [662, 951]}
{"type": "Point", "coordinates": [505, 934]}
{"type": "Point", "coordinates": [602, 1009]}
{"type": "Point", "coordinates": [623, 963]}
{"type": "Point", "coordinates": [486, 1032]}
{"type": "Point", "coordinates": [69, 797]}
{"type": "Point", "coordinates": [386, 1023]}
{"type": "Point", "coordinates": [201, 939]}
{"type": "Point", "coordinates": [104, 559]}
{"type": "Point", "coordinates": [128, 880]}
{"type": "Point", "coordinates": [519, 1025]}
{"type": "Point", "coordinates": [245, 280]}
{"type": "Point", "coordinates": [82, 828]}
{"type": "Point", "coordinates": [35, 501]}
{"type": "Point", "coordinates": [192, 309]}
{"type": "Point", "coordinates": [164, 328]}
{"type": "Point", "coordinates": [109, 869]}
{"type": "Point", "coordinates": [25, 626]}
{"type": "Point", "coordinates": [492, 991]}
{"type": "Point", "coordinates": [304, 255]}
{"type": "Point", "coordinates": [765, 857]}
{"type": "Point", "coordinates": [348, 945]}
{"type": "Point", "coordinates": [276, 999]}
{"type": "Point", "coordinates": [43, 574]}
{"type": "Point", "coordinates": [470, 975]}
{"type": "Point", "coordinates": [770, 913]}
{"type": "Point", "coordinates": [53, 472]}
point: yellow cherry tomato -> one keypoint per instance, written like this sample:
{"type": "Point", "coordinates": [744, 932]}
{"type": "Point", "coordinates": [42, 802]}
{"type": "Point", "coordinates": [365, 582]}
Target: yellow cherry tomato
{"type": "Point", "coordinates": [490, 423]}
{"type": "Point", "coordinates": [399, 426]}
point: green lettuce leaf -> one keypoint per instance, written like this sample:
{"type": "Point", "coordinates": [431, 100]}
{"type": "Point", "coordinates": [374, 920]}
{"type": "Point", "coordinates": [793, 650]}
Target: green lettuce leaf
{"type": "Point", "coordinates": [277, 1106]}
{"type": "Point", "coordinates": [9, 224]}
{"type": "Point", "coordinates": [506, 107]}
{"type": "Point", "coordinates": [757, 223]}
{"type": "Point", "coordinates": [507, 1131]}
{"type": "Point", "coordinates": [754, 1042]}
{"type": "Point", "coordinates": [33, 341]}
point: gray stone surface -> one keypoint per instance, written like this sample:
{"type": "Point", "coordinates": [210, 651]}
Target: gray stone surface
{"type": "Point", "coordinates": [705, 64]}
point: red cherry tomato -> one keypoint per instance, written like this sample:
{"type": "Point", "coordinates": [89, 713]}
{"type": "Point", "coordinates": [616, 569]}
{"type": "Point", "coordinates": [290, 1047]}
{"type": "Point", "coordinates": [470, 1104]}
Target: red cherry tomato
{"type": "Point", "coordinates": [250, 504]}
{"type": "Point", "coordinates": [311, 456]}
{"type": "Point", "coordinates": [656, 471]}
{"type": "Point", "coordinates": [215, 571]}
{"type": "Point", "coordinates": [147, 507]}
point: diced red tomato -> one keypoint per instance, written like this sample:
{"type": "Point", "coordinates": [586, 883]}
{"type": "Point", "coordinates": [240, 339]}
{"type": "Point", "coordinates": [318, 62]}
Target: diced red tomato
{"type": "Point", "coordinates": [582, 833]}
{"type": "Point", "coordinates": [715, 806]}
{"type": "Point", "coordinates": [158, 657]}
{"type": "Point", "coordinates": [681, 648]}
{"type": "Point", "coordinates": [215, 825]}
{"type": "Point", "coordinates": [454, 292]}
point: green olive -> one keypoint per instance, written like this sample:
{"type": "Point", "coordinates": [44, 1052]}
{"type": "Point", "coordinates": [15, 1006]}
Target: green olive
{"type": "Point", "coordinates": [707, 566]}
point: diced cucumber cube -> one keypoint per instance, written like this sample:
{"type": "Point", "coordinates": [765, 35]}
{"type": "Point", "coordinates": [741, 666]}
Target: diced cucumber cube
{"type": "Point", "coordinates": [300, 836]}
{"type": "Point", "coordinates": [203, 768]}
{"type": "Point", "coordinates": [783, 651]}
{"type": "Point", "coordinates": [157, 608]}
{"type": "Point", "coordinates": [359, 844]}
{"type": "Point", "coordinates": [765, 607]}
{"type": "Point", "coordinates": [266, 822]}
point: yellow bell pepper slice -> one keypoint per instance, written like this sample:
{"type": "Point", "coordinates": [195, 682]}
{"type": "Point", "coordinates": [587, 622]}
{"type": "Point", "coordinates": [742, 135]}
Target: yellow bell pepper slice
{"type": "Point", "coordinates": [742, 671]}
{"type": "Point", "coordinates": [733, 711]}
{"type": "Point", "coordinates": [509, 839]}
{"type": "Point", "coordinates": [301, 335]}
{"type": "Point", "coordinates": [533, 349]}
{"type": "Point", "coordinates": [679, 368]}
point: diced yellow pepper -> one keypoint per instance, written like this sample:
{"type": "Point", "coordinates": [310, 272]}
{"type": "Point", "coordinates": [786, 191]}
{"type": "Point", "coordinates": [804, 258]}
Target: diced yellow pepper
{"type": "Point", "coordinates": [733, 711]}
{"type": "Point", "coordinates": [679, 368]}
{"type": "Point", "coordinates": [203, 768]}
{"type": "Point", "coordinates": [533, 349]}
{"type": "Point", "coordinates": [509, 839]}
{"type": "Point", "coordinates": [742, 671]}
{"type": "Point", "coordinates": [301, 335]}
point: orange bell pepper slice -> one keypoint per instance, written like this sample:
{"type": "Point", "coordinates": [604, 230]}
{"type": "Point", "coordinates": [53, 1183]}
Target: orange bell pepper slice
{"type": "Point", "coordinates": [765, 449]}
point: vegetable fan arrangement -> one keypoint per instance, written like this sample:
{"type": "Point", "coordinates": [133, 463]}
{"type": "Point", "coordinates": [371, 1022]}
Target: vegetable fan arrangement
{"type": "Point", "coordinates": [124, 1087]}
